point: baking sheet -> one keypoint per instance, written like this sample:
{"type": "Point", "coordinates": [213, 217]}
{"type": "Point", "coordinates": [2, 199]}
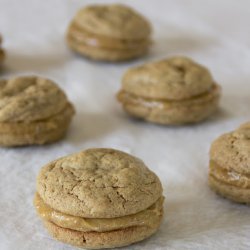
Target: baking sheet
{"type": "Point", "coordinates": [214, 33]}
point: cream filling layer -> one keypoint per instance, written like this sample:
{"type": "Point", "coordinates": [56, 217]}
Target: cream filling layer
{"type": "Point", "coordinates": [230, 177]}
{"type": "Point", "coordinates": [126, 97]}
{"type": "Point", "coordinates": [148, 217]}
{"type": "Point", "coordinates": [93, 40]}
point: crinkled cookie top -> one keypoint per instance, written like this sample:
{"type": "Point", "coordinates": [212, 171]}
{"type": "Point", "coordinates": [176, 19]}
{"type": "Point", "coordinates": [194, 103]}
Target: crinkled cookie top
{"type": "Point", "coordinates": [176, 78]}
{"type": "Point", "coordinates": [116, 21]}
{"type": "Point", "coordinates": [98, 183]}
{"type": "Point", "coordinates": [27, 99]}
{"type": "Point", "coordinates": [232, 150]}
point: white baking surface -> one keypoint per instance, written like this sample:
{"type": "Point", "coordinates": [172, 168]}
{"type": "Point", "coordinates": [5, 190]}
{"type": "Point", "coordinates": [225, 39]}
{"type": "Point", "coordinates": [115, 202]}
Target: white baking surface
{"type": "Point", "coordinates": [215, 33]}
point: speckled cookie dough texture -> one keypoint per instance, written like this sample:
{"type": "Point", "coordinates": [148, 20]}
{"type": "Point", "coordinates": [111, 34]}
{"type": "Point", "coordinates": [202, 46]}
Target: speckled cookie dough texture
{"type": "Point", "coordinates": [33, 110]}
{"type": "Point", "coordinates": [171, 91]}
{"type": "Point", "coordinates": [229, 173]}
{"type": "Point", "coordinates": [99, 198]}
{"type": "Point", "coordinates": [2, 54]}
{"type": "Point", "coordinates": [109, 33]}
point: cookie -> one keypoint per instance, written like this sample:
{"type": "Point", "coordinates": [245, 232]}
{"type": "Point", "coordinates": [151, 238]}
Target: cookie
{"type": "Point", "coordinates": [99, 198]}
{"type": "Point", "coordinates": [171, 91]}
{"type": "Point", "coordinates": [33, 110]}
{"type": "Point", "coordinates": [229, 169]}
{"type": "Point", "coordinates": [2, 54]}
{"type": "Point", "coordinates": [109, 32]}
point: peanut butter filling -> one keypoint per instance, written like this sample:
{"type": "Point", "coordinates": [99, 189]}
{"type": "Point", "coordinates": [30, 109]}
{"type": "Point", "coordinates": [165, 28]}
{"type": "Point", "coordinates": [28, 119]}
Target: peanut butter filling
{"type": "Point", "coordinates": [89, 39]}
{"type": "Point", "coordinates": [126, 97]}
{"type": "Point", "coordinates": [230, 177]}
{"type": "Point", "coordinates": [148, 217]}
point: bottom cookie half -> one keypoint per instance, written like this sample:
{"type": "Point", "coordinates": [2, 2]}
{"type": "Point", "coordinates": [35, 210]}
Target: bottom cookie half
{"type": "Point", "coordinates": [38, 132]}
{"type": "Point", "coordinates": [237, 194]}
{"type": "Point", "coordinates": [171, 112]}
{"type": "Point", "coordinates": [104, 54]}
{"type": "Point", "coordinates": [98, 240]}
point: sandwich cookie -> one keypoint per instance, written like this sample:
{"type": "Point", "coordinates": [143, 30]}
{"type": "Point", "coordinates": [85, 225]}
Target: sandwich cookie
{"type": "Point", "coordinates": [229, 171]}
{"type": "Point", "coordinates": [99, 198]}
{"type": "Point", "coordinates": [33, 110]}
{"type": "Point", "coordinates": [109, 33]}
{"type": "Point", "coordinates": [172, 91]}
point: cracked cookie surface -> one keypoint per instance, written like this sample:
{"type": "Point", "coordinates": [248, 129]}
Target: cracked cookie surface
{"type": "Point", "coordinates": [98, 183]}
{"type": "Point", "coordinates": [176, 78]}
{"type": "Point", "coordinates": [114, 20]}
{"type": "Point", "coordinates": [232, 150]}
{"type": "Point", "coordinates": [30, 99]}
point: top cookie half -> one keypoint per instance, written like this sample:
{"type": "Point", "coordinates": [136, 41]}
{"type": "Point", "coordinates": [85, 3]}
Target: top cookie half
{"type": "Point", "coordinates": [116, 21]}
{"type": "Point", "coordinates": [176, 78]}
{"type": "Point", "coordinates": [29, 98]}
{"type": "Point", "coordinates": [98, 183]}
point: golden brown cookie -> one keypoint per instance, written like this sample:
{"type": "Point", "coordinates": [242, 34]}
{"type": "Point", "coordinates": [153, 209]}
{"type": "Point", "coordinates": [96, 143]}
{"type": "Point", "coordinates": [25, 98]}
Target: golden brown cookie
{"type": "Point", "coordinates": [33, 110]}
{"type": "Point", "coordinates": [99, 198]}
{"type": "Point", "coordinates": [109, 32]}
{"type": "Point", "coordinates": [171, 91]}
{"type": "Point", "coordinates": [229, 173]}
{"type": "Point", "coordinates": [2, 54]}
